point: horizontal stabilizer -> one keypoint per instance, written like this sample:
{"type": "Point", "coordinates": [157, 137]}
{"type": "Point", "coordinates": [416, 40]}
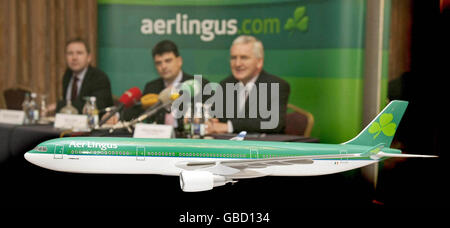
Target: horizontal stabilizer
{"type": "Point", "coordinates": [377, 153]}
{"type": "Point", "coordinates": [383, 154]}
{"type": "Point", "coordinates": [373, 151]}
{"type": "Point", "coordinates": [240, 136]}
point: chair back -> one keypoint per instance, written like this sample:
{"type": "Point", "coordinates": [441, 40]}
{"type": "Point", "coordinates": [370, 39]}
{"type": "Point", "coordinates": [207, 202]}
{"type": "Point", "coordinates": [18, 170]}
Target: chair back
{"type": "Point", "coordinates": [299, 122]}
{"type": "Point", "coordinates": [14, 97]}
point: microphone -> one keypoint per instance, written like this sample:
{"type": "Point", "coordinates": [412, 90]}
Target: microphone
{"type": "Point", "coordinates": [127, 100]}
{"type": "Point", "coordinates": [165, 98]}
{"type": "Point", "coordinates": [145, 101]}
{"type": "Point", "coordinates": [148, 100]}
{"type": "Point", "coordinates": [168, 95]}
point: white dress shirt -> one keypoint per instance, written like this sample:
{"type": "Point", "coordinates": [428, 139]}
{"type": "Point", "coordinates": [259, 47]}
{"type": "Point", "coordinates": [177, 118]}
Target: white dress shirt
{"type": "Point", "coordinates": [242, 98]}
{"type": "Point", "coordinates": [79, 83]}
{"type": "Point", "coordinates": [169, 118]}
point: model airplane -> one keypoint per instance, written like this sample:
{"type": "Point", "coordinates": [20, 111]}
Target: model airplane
{"type": "Point", "coordinates": [204, 164]}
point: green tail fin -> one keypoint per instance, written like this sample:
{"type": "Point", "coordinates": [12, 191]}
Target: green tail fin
{"type": "Point", "coordinates": [382, 129]}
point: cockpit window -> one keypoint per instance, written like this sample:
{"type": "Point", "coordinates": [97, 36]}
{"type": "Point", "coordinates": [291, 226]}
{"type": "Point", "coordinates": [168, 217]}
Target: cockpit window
{"type": "Point", "coordinates": [41, 148]}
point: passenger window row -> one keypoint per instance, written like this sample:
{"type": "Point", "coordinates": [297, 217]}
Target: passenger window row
{"type": "Point", "coordinates": [172, 154]}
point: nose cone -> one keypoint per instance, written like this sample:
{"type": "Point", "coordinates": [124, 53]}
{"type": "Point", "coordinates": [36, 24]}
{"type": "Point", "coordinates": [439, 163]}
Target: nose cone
{"type": "Point", "coordinates": [30, 157]}
{"type": "Point", "coordinates": [41, 160]}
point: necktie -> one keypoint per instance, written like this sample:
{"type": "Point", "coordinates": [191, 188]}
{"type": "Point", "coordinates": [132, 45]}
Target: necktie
{"type": "Point", "coordinates": [74, 87]}
{"type": "Point", "coordinates": [243, 95]}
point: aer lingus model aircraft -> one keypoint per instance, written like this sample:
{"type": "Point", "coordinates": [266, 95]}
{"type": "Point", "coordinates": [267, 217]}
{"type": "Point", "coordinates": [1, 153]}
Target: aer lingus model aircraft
{"type": "Point", "coordinates": [204, 164]}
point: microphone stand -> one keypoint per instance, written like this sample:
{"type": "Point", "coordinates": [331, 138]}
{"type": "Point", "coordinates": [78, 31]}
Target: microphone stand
{"type": "Point", "coordinates": [141, 118]}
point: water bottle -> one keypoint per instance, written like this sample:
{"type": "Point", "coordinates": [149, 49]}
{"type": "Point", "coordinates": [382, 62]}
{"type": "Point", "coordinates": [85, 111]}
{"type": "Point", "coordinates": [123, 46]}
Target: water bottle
{"type": "Point", "coordinates": [198, 122]}
{"type": "Point", "coordinates": [33, 110]}
{"type": "Point", "coordinates": [86, 106]}
{"type": "Point", "coordinates": [25, 107]}
{"type": "Point", "coordinates": [87, 110]}
{"type": "Point", "coordinates": [93, 113]}
{"type": "Point", "coordinates": [187, 123]}
{"type": "Point", "coordinates": [206, 115]}
{"type": "Point", "coordinates": [43, 106]}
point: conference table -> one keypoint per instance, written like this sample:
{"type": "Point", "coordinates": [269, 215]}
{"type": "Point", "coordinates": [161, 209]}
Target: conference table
{"type": "Point", "coordinates": [15, 140]}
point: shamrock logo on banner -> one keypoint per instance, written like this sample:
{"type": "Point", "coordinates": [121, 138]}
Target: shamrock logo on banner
{"type": "Point", "coordinates": [384, 125]}
{"type": "Point", "coordinates": [299, 22]}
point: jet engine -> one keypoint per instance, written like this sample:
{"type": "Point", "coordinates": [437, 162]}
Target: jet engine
{"type": "Point", "coordinates": [197, 181]}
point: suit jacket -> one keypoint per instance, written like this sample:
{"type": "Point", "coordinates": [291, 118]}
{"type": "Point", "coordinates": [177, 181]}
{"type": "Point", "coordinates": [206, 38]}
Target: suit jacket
{"type": "Point", "coordinates": [156, 86]}
{"type": "Point", "coordinates": [254, 124]}
{"type": "Point", "coordinates": [95, 83]}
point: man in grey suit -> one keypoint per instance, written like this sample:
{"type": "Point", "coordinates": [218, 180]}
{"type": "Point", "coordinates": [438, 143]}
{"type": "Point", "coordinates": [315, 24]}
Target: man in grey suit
{"type": "Point", "coordinates": [250, 112]}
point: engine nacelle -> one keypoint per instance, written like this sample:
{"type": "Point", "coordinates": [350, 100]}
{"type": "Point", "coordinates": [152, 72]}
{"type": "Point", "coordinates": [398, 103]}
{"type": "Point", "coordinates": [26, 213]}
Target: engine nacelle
{"type": "Point", "coordinates": [197, 181]}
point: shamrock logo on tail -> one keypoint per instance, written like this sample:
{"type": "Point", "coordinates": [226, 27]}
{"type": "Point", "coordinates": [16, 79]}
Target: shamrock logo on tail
{"type": "Point", "coordinates": [299, 22]}
{"type": "Point", "coordinates": [384, 125]}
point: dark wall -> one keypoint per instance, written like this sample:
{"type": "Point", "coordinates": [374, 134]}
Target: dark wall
{"type": "Point", "coordinates": [422, 127]}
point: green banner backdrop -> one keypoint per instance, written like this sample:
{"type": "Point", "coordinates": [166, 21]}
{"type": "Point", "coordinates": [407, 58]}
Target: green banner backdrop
{"type": "Point", "coordinates": [316, 45]}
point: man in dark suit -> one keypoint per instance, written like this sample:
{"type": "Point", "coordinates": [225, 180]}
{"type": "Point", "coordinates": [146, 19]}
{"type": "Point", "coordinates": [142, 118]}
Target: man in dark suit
{"type": "Point", "coordinates": [261, 102]}
{"type": "Point", "coordinates": [81, 79]}
{"type": "Point", "coordinates": [168, 63]}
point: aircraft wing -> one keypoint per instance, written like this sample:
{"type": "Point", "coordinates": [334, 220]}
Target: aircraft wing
{"type": "Point", "coordinates": [231, 167]}
{"type": "Point", "coordinates": [288, 160]}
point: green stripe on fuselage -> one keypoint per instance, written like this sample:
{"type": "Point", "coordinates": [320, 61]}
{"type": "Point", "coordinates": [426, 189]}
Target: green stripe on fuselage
{"type": "Point", "coordinates": [192, 148]}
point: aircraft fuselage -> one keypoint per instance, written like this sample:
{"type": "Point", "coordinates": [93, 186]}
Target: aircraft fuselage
{"type": "Point", "coordinates": [163, 156]}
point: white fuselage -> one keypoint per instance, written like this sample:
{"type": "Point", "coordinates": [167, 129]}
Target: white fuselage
{"type": "Point", "coordinates": [167, 165]}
